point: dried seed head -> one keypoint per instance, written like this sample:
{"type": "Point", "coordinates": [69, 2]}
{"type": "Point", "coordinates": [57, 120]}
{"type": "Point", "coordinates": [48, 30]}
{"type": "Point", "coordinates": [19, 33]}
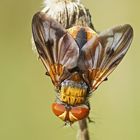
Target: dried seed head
{"type": "Point", "coordinates": [50, 2]}
{"type": "Point", "coordinates": [68, 13]}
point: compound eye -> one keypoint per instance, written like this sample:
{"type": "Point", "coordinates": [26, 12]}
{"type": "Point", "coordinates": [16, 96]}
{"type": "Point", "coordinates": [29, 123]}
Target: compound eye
{"type": "Point", "coordinates": [58, 109]}
{"type": "Point", "coordinates": [78, 113]}
{"type": "Point", "coordinates": [71, 115]}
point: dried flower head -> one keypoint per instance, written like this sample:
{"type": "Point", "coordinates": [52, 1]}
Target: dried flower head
{"type": "Point", "coordinates": [68, 12]}
{"type": "Point", "coordinates": [50, 2]}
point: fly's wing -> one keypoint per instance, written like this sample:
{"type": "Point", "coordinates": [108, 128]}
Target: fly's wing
{"type": "Point", "coordinates": [103, 52]}
{"type": "Point", "coordinates": [56, 48]}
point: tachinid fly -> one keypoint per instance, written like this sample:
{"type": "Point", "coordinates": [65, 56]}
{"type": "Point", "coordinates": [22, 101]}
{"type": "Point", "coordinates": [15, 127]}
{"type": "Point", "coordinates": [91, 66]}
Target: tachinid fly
{"type": "Point", "coordinates": [78, 60]}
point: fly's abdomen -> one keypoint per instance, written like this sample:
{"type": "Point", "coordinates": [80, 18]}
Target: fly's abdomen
{"type": "Point", "coordinates": [73, 93]}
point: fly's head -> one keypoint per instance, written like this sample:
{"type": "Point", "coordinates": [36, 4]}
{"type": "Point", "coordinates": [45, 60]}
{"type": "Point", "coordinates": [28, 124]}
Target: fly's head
{"type": "Point", "coordinates": [69, 113]}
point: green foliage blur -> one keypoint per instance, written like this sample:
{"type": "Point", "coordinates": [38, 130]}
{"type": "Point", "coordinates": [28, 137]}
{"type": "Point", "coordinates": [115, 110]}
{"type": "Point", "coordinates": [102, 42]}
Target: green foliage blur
{"type": "Point", "coordinates": [26, 94]}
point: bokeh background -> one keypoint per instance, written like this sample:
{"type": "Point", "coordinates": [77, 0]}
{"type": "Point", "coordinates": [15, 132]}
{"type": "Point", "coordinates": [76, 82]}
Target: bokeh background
{"type": "Point", "coordinates": [26, 93]}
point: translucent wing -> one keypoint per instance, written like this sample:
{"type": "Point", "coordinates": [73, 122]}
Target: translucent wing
{"type": "Point", "coordinates": [103, 52]}
{"type": "Point", "coordinates": [56, 48]}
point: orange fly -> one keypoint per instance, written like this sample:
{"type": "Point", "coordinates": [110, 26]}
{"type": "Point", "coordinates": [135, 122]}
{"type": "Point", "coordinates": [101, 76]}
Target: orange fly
{"type": "Point", "coordinates": [77, 60]}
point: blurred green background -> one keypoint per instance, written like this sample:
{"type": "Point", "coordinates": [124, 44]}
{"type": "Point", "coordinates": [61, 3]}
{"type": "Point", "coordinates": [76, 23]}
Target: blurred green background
{"type": "Point", "coordinates": [26, 93]}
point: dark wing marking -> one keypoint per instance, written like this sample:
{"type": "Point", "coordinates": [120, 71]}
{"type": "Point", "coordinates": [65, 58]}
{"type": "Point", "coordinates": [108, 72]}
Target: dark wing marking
{"type": "Point", "coordinates": [101, 54]}
{"type": "Point", "coordinates": [57, 49]}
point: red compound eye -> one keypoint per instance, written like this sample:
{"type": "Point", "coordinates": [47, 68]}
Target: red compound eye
{"type": "Point", "coordinates": [71, 115]}
{"type": "Point", "coordinates": [78, 113]}
{"type": "Point", "coordinates": [58, 109]}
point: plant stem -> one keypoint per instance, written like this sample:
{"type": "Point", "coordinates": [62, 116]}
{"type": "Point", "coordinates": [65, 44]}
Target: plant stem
{"type": "Point", "coordinates": [83, 133]}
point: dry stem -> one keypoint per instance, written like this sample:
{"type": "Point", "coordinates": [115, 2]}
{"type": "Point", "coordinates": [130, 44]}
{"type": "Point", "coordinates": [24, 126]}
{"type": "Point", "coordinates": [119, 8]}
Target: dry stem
{"type": "Point", "coordinates": [83, 133]}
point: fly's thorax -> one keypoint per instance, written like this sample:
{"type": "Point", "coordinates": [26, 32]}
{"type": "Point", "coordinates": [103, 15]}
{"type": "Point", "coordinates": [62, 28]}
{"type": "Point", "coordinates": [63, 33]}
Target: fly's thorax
{"type": "Point", "coordinates": [73, 93]}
